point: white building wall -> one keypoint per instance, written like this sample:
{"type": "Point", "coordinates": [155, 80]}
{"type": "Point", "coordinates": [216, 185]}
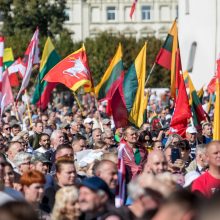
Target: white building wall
{"type": "Point", "coordinates": [199, 22]}
{"type": "Point", "coordinates": [136, 27]}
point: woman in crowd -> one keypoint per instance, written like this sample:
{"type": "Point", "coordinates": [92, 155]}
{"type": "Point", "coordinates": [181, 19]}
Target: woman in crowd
{"type": "Point", "coordinates": [66, 204]}
{"type": "Point", "coordinates": [9, 175]}
{"type": "Point", "coordinates": [33, 188]}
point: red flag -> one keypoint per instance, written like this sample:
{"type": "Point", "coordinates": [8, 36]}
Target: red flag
{"type": "Point", "coordinates": [182, 111]}
{"type": "Point", "coordinates": [1, 59]}
{"type": "Point", "coordinates": [73, 71]}
{"type": "Point", "coordinates": [6, 96]}
{"type": "Point", "coordinates": [116, 103]}
{"type": "Point", "coordinates": [211, 85]}
{"type": "Point", "coordinates": [133, 8]}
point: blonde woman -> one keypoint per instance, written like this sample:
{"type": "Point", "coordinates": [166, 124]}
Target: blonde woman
{"type": "Point", "coordinates": [66, 204]}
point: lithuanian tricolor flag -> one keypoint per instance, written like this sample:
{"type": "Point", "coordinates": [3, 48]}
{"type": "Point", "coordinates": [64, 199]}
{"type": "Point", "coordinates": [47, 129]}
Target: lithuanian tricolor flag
{"type": "Point", "coordinates": [43, 89]}
{"type": "Point", "coordinates": [133, 88]}
{"type": "Point", "coordinates": [112, 73]}
{"type": "Point", "coordinates": [198, 113]}
{"type": "Point", "coordinates": [167, 55]}
{"type": "Point", "coordinates": [216, 128]}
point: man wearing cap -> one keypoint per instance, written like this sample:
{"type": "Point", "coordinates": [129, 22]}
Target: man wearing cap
{"type": "Point", "coordinates": [94, 199]}
{"type": "Point", "coordinates": [40, 163]}
{"type": "Point", "coordinates": [65, 128]}
{"type": "Point", "coordinates": [106, 123]}
{"type": "Point", "coordinates": [191, 136]}
{"type": "Point", "coordinates": [88, 123]}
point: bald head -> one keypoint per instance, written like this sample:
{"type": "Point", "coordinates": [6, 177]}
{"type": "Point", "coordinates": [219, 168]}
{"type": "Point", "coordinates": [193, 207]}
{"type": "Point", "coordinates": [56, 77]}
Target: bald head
{"type": "Point", "coordinates": [156, 163]}
{"type": "Point", "coordinates": [213, 155]}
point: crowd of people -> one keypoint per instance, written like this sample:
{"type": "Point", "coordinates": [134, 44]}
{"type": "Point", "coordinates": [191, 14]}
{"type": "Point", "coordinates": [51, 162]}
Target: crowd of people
{"type": "Point", "coordinates": [64, 164]}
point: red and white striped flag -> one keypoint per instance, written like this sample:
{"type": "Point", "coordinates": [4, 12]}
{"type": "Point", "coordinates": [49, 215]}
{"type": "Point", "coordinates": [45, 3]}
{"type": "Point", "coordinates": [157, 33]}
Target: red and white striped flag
{"type": "Point", "coordinates": [121, 193]}
{"type": "Point", "coordinates": [31, 57]}
{"type": "Point", "coordinates": [1, 58]}
{"type": "Point", "coordinates": [133, 8]}
{"type": "Point", "coordinates": [6, 96]}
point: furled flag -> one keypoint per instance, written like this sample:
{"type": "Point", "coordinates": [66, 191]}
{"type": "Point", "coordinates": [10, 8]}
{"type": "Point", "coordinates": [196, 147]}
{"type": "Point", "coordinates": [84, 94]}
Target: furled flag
{"type": "Point", "coordinates": [182, 112]}
{"type": "Point", "coordinates": [128, 102]}
{"type": "Point", "coordinates": [112, 73]}
{"type": "Point", "coordinates": [1, 59]}
{"type": "Point", "coordinates": [133, 8]}
{"type": "Point", "coordinates": [121, 190]}
{"type": "Point", "coordinates": [43, 89]}
{"type": "Point", "coordinates": [198, 114]}
{"type": "Point", "coordinates": [6, 96]}
{"type": "Point", "coordinates": [167, 55]}
{"type": "Point", "coordinates": [31, 57]}
{"type": "Point", "coordinates": [216, 125]}
{"type": "Point", "coordinates": [73, 71]}
{"type": "Point", "coordinates": [8, 57]}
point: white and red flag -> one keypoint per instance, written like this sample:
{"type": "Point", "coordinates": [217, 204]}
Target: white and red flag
{"type": "Point", "coordinates": [6, 96]}
{"type": "Point", "coordinates": [133, 8]}
{"type": "Point", "coordinates": [31, 57]}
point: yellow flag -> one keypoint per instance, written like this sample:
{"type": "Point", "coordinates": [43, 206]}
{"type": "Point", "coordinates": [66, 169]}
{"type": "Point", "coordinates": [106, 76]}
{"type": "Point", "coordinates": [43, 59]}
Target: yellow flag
{"type": "Point", "coordinates": [139, 105]}
{"type": "Point", "coordinates": [216, 128]}
{"type": "Point", "coordinates": [8, 55]}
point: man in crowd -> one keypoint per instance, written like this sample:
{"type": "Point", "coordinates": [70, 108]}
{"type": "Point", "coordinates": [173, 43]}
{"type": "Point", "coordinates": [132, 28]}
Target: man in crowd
{"type": "Point", "coordinates": [107, 170]}
{"type": "Point", "coordinates": [65, 176]}
{"type": "Point", "coordinates": [207, 132]}
{"type": "Point", "coordinates": [133, 155]}
{"type": "Point", "coordinates": [209, 182]}
{"type": "Point", "coordinates": [156, 162]}
{"type": "Point", "coordinates": [94, 197]}
{"type": "Point", "coordinates": [13, 149]}
{"type": "Point", "coordinates": [38, 130]}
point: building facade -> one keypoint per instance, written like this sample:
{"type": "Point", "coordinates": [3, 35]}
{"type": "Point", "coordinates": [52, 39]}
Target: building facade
{"type": "Point", "coordinates": [199, 38]}
{"type": "Point", "coordinates": [87, 18]}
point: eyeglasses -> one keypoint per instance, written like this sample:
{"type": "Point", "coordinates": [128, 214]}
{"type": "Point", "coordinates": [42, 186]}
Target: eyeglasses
{"type": "Point", "coordinates": [109, 137]}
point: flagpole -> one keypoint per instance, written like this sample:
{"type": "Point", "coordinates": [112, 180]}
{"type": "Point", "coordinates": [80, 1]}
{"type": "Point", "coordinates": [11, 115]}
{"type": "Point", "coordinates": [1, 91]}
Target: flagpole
{"type": "Point", "coordinates": [28, 108]}
{"type": "Point", "coordinates": [151, 71]}
{"type": "Point", "coordinates": [77, 100]}
{"type": "Point", "coordinates": [99, 115]}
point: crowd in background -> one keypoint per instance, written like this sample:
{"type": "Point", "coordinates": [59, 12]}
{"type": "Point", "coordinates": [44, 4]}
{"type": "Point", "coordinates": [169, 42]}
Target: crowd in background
{"type": "Point", "coordinates": [62, 164]}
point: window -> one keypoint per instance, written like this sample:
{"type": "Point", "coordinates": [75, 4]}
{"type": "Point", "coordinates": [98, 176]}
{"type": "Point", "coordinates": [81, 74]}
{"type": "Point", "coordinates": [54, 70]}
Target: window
{"type": "Point", "coordinates": [127, 14]}
{"type": "Point", "coordinates": [111, 13]}
{"type": "Point", "coordinates": [95, 14]}
{"type": "Point", "coordinates": [165, 13]}
{"type": "Point", "coordinates": [191, 57]}
{"type": "Point", "coordinates": [146, 12]}
{"type": "Point", "coordinates": [177, 11]}
{"type": "Point", "coordinates": [187, 7]}
{"type": "Point", "coordinates": [67, 14]}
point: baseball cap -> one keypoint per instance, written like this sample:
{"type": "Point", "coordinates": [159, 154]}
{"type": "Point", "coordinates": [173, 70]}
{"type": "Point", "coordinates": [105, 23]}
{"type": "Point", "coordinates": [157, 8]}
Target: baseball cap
{"type": "Point", "coordinates": [191, 130]}
{"type": "Point", "coordinates": [95, 183]}
{"type": "Point", "coordinates": [106, 121]}
{"type": "Point", "coordinates": [88, 120]}
{"type": "Point", "coordinates": [64, 125]}
{"type": "Point", "coordinates": [37, 156]}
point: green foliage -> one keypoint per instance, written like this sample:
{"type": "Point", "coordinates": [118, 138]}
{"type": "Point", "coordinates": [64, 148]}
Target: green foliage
{"type": "Point", "coordinates": [101, 49]}
{"type": "Point", "coordinates": [22, 17]}
{"type": "Point", "coordinates": [27, 15]}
